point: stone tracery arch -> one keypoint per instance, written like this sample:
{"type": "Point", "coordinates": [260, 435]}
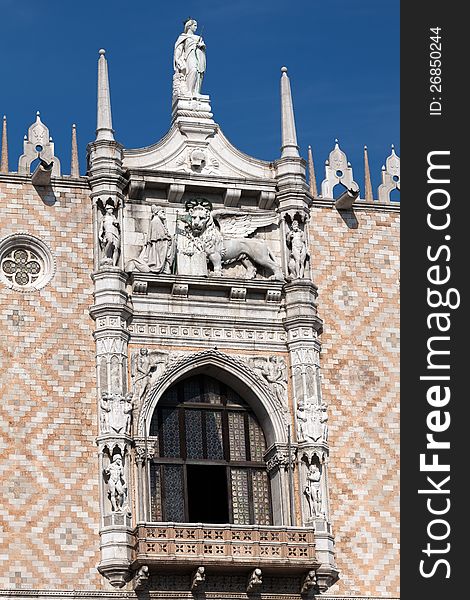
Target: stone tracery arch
{"type": "Point", "coordinates": [235, 373]}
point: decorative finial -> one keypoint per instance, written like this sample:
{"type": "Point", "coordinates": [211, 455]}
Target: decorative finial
{"type": "Point", "coordinates": [336, 141]}
{"type": "Point", "coordinates": [383, 167]}
{"type": "Point", "coordinates": [368, 196]}
{"type": "Point", "coordinates": [102, 52]}
{"type": "Point", "coordinates": [289, 147]}
{"type": "Point", "coordinates": [38, 114]}
{"type": "Point", "coordinates": [4, 155]}
{"type": "Point", "coordinates": [311, 173]}
{"type": "Point", "coordinates": [104, 125]}
{"type": "Point", "coordinates": [74, 166]}
{"type": "Point", "coordinates": [393, 146]}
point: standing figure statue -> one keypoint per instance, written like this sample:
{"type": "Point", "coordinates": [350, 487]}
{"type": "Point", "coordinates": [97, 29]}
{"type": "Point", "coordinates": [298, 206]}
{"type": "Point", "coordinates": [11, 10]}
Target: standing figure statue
{"type": "Point", "coordinates": [117, 488]}
{"type": "Point", "coordinates": [189, 61]}
{"type": "Point", "coordinates": [110, 235]}
{"type": "Point", "coordinates": [298, 254]}
{"type": "Point", "coordinates": [312, 490]}
{"type": "Point", "coordinates": [158, 249]}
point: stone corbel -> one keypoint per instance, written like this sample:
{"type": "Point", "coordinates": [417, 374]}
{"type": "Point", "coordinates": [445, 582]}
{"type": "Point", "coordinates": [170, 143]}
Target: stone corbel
{"type": "Point", "coordinates": [136, 189]}
{"type": "Point", "coordinates": [255, 579]}
{"type": "Point", "coordinates": [175, 192]}
{"type": "Point", "coordinates": [309, 583]}
{"type": "Point", "coordinates": [232, 197]}
{"type": "Point", "coordinates": [198, 579]}
{"type": "Point", "coordinates": [141, 577]}
{"type": "Point", "coordinates": [267, 200]}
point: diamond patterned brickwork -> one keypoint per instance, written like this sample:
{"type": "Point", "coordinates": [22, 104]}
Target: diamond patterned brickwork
{"type": "Point", "coordinates": [49, 512]}
{"type": "Point", "coordinates": [356, 270]}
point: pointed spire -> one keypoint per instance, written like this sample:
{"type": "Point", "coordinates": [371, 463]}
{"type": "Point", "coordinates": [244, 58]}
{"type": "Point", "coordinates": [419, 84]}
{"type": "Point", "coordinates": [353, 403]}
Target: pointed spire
{"type": "Point", "coordinates": [104, 124]}
{"type": "Point", "coordinates": [367, 180]}
{"type": "Point", "coordinates": [289, 146]}
{"type": "Point", "coordinates": [311, 173]}
{"type": "Point", "coordinates": [74, 166]}
{"type": "Point", "coordinates": [4, 159]}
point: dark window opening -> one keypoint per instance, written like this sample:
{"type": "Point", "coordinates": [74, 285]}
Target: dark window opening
{"type": "Point", "coordinates": [209, 466]}
{"type": "Point", "coordinates": [207, 494]}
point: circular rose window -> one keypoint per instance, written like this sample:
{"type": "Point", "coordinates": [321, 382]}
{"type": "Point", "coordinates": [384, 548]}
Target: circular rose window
{"type": "Point", "coordinates": [26, 263]}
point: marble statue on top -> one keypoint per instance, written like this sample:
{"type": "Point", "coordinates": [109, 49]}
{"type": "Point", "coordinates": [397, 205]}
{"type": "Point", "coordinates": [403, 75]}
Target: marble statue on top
{"type": "Point", "coordinates": [220, 237]}
{"type": "Point", "coordinates": [189, 62]}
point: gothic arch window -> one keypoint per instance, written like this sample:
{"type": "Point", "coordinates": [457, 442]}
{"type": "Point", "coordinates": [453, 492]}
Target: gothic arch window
{"type": "Point", "coordinates": [209, 465]}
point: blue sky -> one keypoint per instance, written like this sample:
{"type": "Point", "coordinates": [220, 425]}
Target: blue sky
{"type": "Point", "coordinates": [342, 56]}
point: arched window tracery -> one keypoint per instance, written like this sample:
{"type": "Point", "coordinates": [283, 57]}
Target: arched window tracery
{"type": "Point", "coordinates": [209, 465]}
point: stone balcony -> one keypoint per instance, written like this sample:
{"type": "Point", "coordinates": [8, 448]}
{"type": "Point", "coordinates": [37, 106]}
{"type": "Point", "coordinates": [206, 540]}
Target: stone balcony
{"type": "Point", "coordinates": [229, 546]}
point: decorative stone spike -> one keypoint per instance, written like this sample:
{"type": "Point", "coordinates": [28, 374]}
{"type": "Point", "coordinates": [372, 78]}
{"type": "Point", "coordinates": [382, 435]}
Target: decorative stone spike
{"type": "Point", "coordinates": [74, 166]}
{"type": "Point", "coordinates": [311, 174]}
{"type": "Point", "coordinates": [367, 180]}
{"type": "Point", "coordinates": [289, 147]}
{"type": "Point", "coordinates": [104, 124]}
{"type": "Point", "coordinates": [4, 158]}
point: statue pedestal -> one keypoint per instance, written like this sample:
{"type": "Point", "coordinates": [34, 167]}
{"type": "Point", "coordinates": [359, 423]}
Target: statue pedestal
{"type": "Point", "coordinates": [190, 108]}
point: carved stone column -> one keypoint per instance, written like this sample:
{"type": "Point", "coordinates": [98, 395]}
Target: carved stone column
{"type": "Point", "coordinates": [115, 407]}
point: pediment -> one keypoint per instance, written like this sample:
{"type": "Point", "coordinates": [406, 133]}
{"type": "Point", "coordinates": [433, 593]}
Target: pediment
{"type": "Point", "coordinates": [198, 150]}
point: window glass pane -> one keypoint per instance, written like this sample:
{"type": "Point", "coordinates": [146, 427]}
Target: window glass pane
{"type": "Point", "coordinates": [193, 425]}
{"type": "Point", "coordinates": [212, 391]}
{"type": "Point", "coordinates": [155, 493]}
{"type": "Point", "coordinates": [236, 434]}
{"type": "Point", "coordinates": [240, 503]}
{"type": "Point", "coordinates": [170, 431]}
{"type": "Point", "coordinates": [261, 504]}
{"type": "Point", "coordinates": [234, 398]}
{"type": "Point", "coordinates": [257, 443]}
{"type": "Point", "coordinates": [173, 497]}
{"type": "Point", "coordinates": [192, 390]}
{"type": "Point", "coordinates": [214, 439]}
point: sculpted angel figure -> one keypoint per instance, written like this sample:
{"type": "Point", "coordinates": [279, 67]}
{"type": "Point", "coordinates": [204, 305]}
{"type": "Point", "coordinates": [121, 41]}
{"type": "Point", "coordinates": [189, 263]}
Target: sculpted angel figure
{"type": "Point", "coordinates": [223, 234]}
{"type": "Point", "coordinates": [145, 369]}
{"type": "Point", "coordinates": [109, 234]}
{"type": "Point", "coordinates": [189, 60]}
{"type": "Point", "coordinates": [274, 371]}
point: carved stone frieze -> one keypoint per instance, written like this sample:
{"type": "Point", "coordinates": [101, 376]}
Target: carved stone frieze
{"type": "Point", "coordinates": [185, 332]}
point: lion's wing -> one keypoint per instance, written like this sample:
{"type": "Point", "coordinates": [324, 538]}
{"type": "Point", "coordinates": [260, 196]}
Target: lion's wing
{"type": "Point", "coordinates": [234, 224]}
